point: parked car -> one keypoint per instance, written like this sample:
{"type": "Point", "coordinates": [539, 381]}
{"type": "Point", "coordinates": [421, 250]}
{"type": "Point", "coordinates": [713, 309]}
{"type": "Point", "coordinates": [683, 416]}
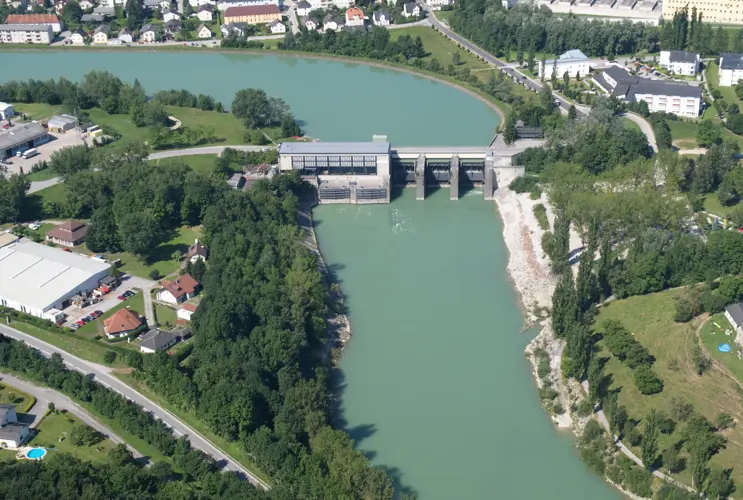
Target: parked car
{"type": "Point", "coordinates": [96, 314]}
{"type": "Point", "coordinates": [129, 293]}
{"type": "Point", "coordinates": [121, 297]}
{"type": "Point", "coordinates": [74, 326]}
{"type": "Point", "coordinates": [79, 323]}
{"type": "Point", "coordinates": [34, 226]}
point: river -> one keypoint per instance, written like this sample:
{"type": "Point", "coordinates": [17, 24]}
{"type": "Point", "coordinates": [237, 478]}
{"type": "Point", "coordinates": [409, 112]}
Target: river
{"type": "Point", "coordinates": [435, 385]}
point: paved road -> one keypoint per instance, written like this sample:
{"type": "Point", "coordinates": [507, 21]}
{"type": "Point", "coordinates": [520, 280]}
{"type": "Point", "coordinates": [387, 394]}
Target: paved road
{"type": "Point", "coordinates": [646, 128]}
{"type": "Point", "coordinates": [293, 21]}
{"type": "Point", "coordinates": [149, 308]}
{"type": "Point", "coordinates": [45, 395]}
{"type": "Point", "coordinates": [39, 185]}
{"type": "Point", "coordinates": [203, 151]}
{"type": "Point", "coordinates": [104, 376]}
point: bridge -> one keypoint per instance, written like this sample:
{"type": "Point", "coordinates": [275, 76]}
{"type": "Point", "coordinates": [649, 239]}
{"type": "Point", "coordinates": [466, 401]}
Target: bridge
{"type": "Point", "coordinates": [364, 172]}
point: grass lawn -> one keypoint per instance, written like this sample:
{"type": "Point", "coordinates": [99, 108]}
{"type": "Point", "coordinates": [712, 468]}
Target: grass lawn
{"type": "Point", "coordinates": [227, 128]}
{"type": "Point", "coordinates": [11, 395]}
{"type": "Point", "coordinates": [439, 47]}
{"type": "Point", "coordinates": [56, 193]}
{"type": "Point", "coordinates": [712, 205]}
{"type": "Point", "coordinates": [444, 15]}
{"type": "Point", "coordinates": [650, 319]}
{"type": "Point", "coordinates": [54, 432]}
{"type": "Point", "coordinates": [42, 175]}
{"type": "Point", "coordinates": [161, 258]}
{"type": "Point", "coordinates": [632, 125]}
{"type": "Point", "coordinates": [200, 163]}
{"type": "Point", "coordinates": [713, 334]}
{"type": "Point", "coordinates": [165, 315]}
{"type": "Point", "coordinates": [94, 328]}
{"type": "Point", "coordinates": [728, 93]}
{"type": "Point", "coordinates": [682, 130]}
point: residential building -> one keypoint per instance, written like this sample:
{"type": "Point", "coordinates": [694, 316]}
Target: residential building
{"type": "Point", "coordinates": [680, 62]}
{"type": "Point", "coordinates": [158, 340]}
{"type": "Point", "coordinates": [205, 12]}
{"type": "Point", "coordinates": [197, 251]}
{"type": "Point", "coordinates": [508, 4]}
{"type": "Point", "coordinates": [332, 23]}
{"type": "Point", "coordinates": [235, 29]}
{"type": "Point", "coordinates": [172, 27]}
{"type": "Point", "coordinates": [354, 17]}
{"type": "Point", "coordinates": [574, 62]}
{"type": "Point", "coordinates": [36, 20]}
{"type": "Point", "coordinates": [380, 18]}
{"type": "Point", "coordinates": [731, 69]}
{"type": "Point", "coordinates": [712, 11]}
{"type": "Point", "coordinates": [26, 33]}
{"type": "Point", "coordinates": [309, 23]}
{"type": "Point", "coordinates": [327, 4]}
{"type": "Point", "coordinates": [165, 5]}
{"type": "Point", "coordinates": [223, 5]}
{"type": "Point", "coordinates": [105, 11]}
{"type": "Point", "coordinates": [122, 323]}
{"type": "Point", "coordinates": [126, 36]}
{"type": "Point", "coordinates": [40, 280]}
{"type": "Point", "coordinates": [734, 314]}
{"type": "Point", "coordinates": [6, 111]}
{"type": "Point", "coordinates": [148, 33]}
{"type": "Point", "coordinates": [19, 138]}
{"type": "Point", "coordinates": [12, 433]}
{"type": "Point", "coordinates": [203, 32]}
{"type": "Point", "coordinates": [68, 234]}
{"type": "Point", "coordinates": [253, 14]}
{"type": "Point", "coordinates": [186, 311]}
{"type": "Point", "coordinates": [79, 36]}
{"type": "Point", "coordinates": [437, 4]}
{"type": "Point", "coordinates": [92, 18]}
{"type": "Point", "coordinates": [171, 15]}
{"type": "Point", "coordinates": [61, 123]}
{"type": "Point", "coordinates": [86, 4]}
{"type": "Point", "coordinates": [100, 36]}
{"type": "Point", "coordinates": [277, 27]}
{"type": "Point", "coordinates": [199, 3]}
{"type": "Point", "coordinates": [411, 9]}
{"type": "Point", "coordinates": [179, 290]}
{"type": "Point", "coordinates": [303, 8]}
{"type": "Point", "coordinates": [152, 4]}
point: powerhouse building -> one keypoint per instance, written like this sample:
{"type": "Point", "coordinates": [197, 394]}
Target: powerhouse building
{"type": "Point", "coordinates": [40, 280]}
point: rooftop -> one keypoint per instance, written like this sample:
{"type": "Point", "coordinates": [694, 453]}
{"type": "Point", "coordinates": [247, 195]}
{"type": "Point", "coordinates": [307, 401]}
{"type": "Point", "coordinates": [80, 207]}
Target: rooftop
{"type": "Point", "coordinates": [252, 10]}
{"type": "Point", "coordinates": [644, 86]}
{"type": "Point", "coordinates": [5, 411]}
{"type": "Point", "coordinates": [730, 60]}
{"type": "Point", "coordinates": [184, 284]}
{"type": "Point", "coordinates": [62, 120]}
{"type": "Point", "coordinates": [12, 431]}
{"type": "Point", "coordinates": [7, 239]}
{"type": "Point", "coordinates": [123, 320]}
{"type": "Point", "coordinates": [157, 339]}
{"type": "Point", "coordinates": [682, 56]}
{"type": "Point", "coordinates": [20, 134]}
{"type": "Point", "coordinates": [25, 27]}
{"type": "Point", "coordinates": [736, 312]}
{"type": "Point", "coordinates": [37, 276]}
{"type": "Point", "coordinates": [573, 55]}
{"type": "Point", "coordinates": [31, 19]}
{"type": "Point", "coordinates": [334, 148]}
{"type": "Point", "coordinates": [69, 231]}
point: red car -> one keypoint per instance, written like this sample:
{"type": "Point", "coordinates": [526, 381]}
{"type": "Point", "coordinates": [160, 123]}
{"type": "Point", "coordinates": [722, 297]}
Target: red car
{"type": "Point", "coordinates": [96, 314]}
{"type": "Point", "coordinates": [79, 322]}
{"type": "Point", "coordinates": [121, 297]}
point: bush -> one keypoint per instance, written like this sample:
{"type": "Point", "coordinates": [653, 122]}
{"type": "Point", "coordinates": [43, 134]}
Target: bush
{"type": "Point", "coordinates": [701, 362]}
{"type": "Point", "coordinates": [82, 435]}
{"type": "Point", "coordinates": [647, 381]}
{"type": "Point", "coordinates": [540, 212]}
{"type": "Point", "coordinates": [680, 409]}
{"type": "Point", "coordinates": [639, 481]}
{"type": "Point", "coordinates": [154, 274]}
{"type": "Point", "coordinates": [724, 421]}
{"type": "Point", "coordinates": [671, 460]}
{"type": "Point", "coordinates": [109, 357]}
{"type": "Point", "coordinates": [524, 184]}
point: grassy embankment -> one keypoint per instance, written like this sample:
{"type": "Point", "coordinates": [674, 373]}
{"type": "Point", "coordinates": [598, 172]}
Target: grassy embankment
{"type": "Point", "coordinates": [55, 431]}
{"type": "Point", "coordinates": [166, 316]}
{"type": "Point", "coordinates": [650, 319]}
{"type": "Point", "coordinates": [11, 395]}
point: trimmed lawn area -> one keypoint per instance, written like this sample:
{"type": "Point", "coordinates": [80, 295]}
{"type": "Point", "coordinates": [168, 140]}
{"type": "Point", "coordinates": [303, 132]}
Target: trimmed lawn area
{"type": "Point", "coordinates": [165, 315]}
{"type": "Point", "coordinates": [42, 175]}
{"type": "Point", "coordinates": [713, 334]}
{"type": "Point", "coordinates": [650, 320]}
{"type": "Point", "coordinates": [728, 93]}
{"type": "Point", "coordinates": [439, 47]}
{"type": "Point", "coordinates": [444, 15]}
{"type": "Point", "coordinates": [226, 127]}
{"type": "Point", "coordinates": [200, 163]}
{"type": "Point", "coordinates": [54, 432]}
{"type": "Point", "coordinates": [94, 328]}
{"type": "Point", "coordinates": [712, 205]}
{"type": "Point", "coordinates": [11, 395]}
{"type": "Point", "coordinates": [162, 257]}
{"type": "Point", "coordinates": [682, 130]}
{"type": "Point", "coordinates": [40, 111]}
{"type": "Point", "coordinates": [56, 193]}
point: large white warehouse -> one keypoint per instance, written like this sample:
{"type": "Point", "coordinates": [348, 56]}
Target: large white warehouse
{"type": "Point", "coordinates": [40, 280]}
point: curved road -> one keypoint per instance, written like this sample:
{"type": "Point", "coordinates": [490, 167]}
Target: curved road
{"type": "Point", "coordinates": [45, 395]}
{"type": "Point", "coordinates": [104, 376]}
{"type": "Point", "coordinates": [645, 127]}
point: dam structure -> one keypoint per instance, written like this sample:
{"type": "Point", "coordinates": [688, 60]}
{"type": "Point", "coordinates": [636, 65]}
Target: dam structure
{"type": "Point", "coordinates": [365, 172]}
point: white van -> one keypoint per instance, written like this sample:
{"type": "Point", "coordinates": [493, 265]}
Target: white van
{"type": "Point", "coordinates": [30, 153]}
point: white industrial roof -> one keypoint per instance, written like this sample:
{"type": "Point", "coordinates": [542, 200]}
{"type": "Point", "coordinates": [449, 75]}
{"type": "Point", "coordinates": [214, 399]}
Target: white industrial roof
{"type": "Point", "coordinates": [37, 276]}
{"type": "Point", "coordinates": [334, 148]}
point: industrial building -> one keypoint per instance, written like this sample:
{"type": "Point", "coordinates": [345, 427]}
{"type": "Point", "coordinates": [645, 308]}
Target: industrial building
{"type": "Point", "coordinates": [345, 172]}
{"type": "Point", "coordinates": [40, 280]}
{"type": "Point", "coordinates": [21, 138]}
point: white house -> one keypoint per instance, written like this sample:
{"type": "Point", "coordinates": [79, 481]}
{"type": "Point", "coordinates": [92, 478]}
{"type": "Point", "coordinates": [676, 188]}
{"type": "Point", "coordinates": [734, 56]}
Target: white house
{"type": "Point", "coordinates": [303, 8]}
{"type": "Point", "coordinates": [125, 35]}
{"type": "Point", "coordinates": [573, 61]}
{"type": "Point", "coordinates": [277, 27]}
{"type": "Point", "coordinates": [327, 4]}
{"type": "Point", "coordinates": [6, 111]}
{"type": "Point", "coordinates": [12, 433]}
{"type": "Point", "coordinates": [79, 37]}
{"type": "Point", "coordinates": [680, 62]}
{"type": "Point", "coordinates": [170, 15]}
{"type": "Point", "coordinates": [203, 32]}
{"type": "Point", "coordinates": [148, 34]}
{"type": "Point", "coordinates": [86, 4]}
{"type": "Point", "coordinates": [381, 18]}
{"type": "Point", "coordinates": [238, 29]}
{"type": "Point", "coordinates": [205, 12]}
{"type": "Point", "coordinates": [731, 69]}
{"type": "Point", "coordinates": [411, 9]}
{"type": "Point", "coordinates": [734, 314]}
{"type": "Point", "coordinates": [437, 4]}
{"type": "Point", "coordinates": [199, 3]}
{"type": "Point", "coordinates": [354, 17]}
{"type": "Point", "coordinates": [179, 290]}
{"type": "Point", "coordinates": [309, 23]}
{"type": "Point", "coordinates": [331, 23]}
{"type": "Point", "coordinates": [100, 36]}
{"type": "Point", "coordinates": [186, 311]}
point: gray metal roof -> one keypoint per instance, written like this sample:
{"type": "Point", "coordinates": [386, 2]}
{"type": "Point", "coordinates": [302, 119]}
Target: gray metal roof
{"type": "Point", "coordinates": [572, 55]}
{"type": "Point", "coordinates": [13, 431]}
{"type": "Point", "coordinates": [61, 120]}
{"type": "Point", "coordinates": [157, 339]}
{"type": "Point", "coordinates": [334, 148]}
{"type": "Point", "coordinates": [682, 56]}
{"type": "Point", "coordinates": [25, 27]}
{"type": "Point", "coordinates": [619, 74]}
{"type": "Point", "coordinates": [731, 60]}
{"type": "Point", "coordinates": [5, 410]}
{"type": "Point", "coordinates": [736, 312]}
{"type": "Point", "coordinates": [20, 134]}
{"type": "Point", "coordinates": [656, 87]}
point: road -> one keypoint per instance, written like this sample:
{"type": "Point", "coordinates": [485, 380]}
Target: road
{"type": "Point", "coordinates": [645, 127]}
{"type": "Point", "coordinates": [206, 150]}
{"type": "Point", "coordinates": [149, 308]}
{"type": "Point", "coordinates": [105, 376]}
{"type": "Point", "coordinates": [293, 21]}
{"type": "Point", "coordinates": [44, 396]}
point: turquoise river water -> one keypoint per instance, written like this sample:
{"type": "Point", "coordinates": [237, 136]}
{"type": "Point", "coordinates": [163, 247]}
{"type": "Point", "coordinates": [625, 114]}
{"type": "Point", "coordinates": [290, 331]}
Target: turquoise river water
{"type": "Point", "coordinates": [435, 385]}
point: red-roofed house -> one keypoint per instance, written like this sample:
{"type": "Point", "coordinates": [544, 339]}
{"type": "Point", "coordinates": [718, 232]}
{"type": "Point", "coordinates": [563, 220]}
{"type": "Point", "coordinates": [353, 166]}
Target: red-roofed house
{"type": "Point", "coordinates": [36, 20]}
{"type": "Point", "coordinates": [179, 290]}
{"type": "Point", "coordinates": [354, 17]}
{"type": "Point", "coordinates": [186, 311]}
{"type": "Point", "coordinates": [69, 234]}
{"type": "Point", "coordinates": [121, 323]}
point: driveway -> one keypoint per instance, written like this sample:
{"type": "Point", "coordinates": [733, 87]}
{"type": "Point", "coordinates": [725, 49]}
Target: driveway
{"type": "Point", "coordinates": [70, 138]}
{"type": "Point", "coordinates": [109, 301]}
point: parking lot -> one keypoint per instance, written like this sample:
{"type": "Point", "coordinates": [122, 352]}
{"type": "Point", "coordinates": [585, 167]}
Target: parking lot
{"type": "Point", "coordinates": [59, 141]}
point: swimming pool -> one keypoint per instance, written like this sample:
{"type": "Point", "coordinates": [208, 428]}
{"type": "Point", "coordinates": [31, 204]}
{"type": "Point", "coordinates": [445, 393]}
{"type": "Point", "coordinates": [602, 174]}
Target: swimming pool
{"type": "Point", "coordinates": [35, 453]}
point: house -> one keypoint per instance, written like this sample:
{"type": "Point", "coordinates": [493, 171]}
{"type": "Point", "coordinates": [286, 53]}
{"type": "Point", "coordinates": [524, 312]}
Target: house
{"type": "Point", "coordinates": [172, 27]}
{"type": "Point", "coordinates": [205, 12]}
{"type": "Point", "coordinates": [680, 62]}
{"type": "Point", "coordinates": [411, 9]}
{"type": "Point", "coordinates": [186, 311]}
{"type": "Point", "coordinates": [125, 35]}
{"type": "Point", "coordinates": [86, 4]}
{"type": "Point", "coordinates": [68, 234]}
{"type": "Point", "coordinates": [79, 37]}
{"type": "Point", "coordinates": [36, 20]}
{"type": "Point", "coordinates": [61, 123]}
{"type": "Point", "coordinates": [437, 4]}
{"type": "Point", "coordinates": [100, 36]}
{"type": "Point", "coordinates": [12, 433]}
{"type": "Point", "coordinates": [354, 17]}
{"type": "Point", "coordinates": [203, 32]}
{"type": "Point", "coordinates": [253, 14]}
{"type": "Point", "coordinates": [179, 290]}
{"type": "Point", "coordinates": [148, 34]}
{"type": "Point", "coordinates": [92, 18]}
{"type": "Point", "coordinates": [122, 323]}
{"type": "Point", "coordinates": [574, 62]}
{"type": "Point", "coordinates": [105, 11]}
{"type": "Point", "coordinates": [380, 18]}
{"type": "Point", "coordinates": [152, 4]}
{"type": "Point", "coordinates": [731, 69]}
{"type": "Point", "coordinates": [277, 27]}
{"type": "Point", "coordinates": [309, 23]}
{"type": "Point", "coordinates": [223, 5]}
{"type": "Point", "coordinates": [26, 33]}
{"type": "Point", "coordinates": [158, 340]}
{"type": "Point", "coordinates": [303, 8]}
{"type": "Point", "coordinates": [734, 314]}
{"type": "Point", "coordinates": [331, 23]}
{"type": "Point", "coordinates": [6, 111]}
{"type": "Point", "coordinates": [170, 15]}
{"type": "Point", "coordinates": [165, 5]}
{"type": "Point", "coordinates": [235, 29]}
{"type": "Point", "coordinates": [328, 4]}
{"type": "Point", "coordinates": [199, 3]}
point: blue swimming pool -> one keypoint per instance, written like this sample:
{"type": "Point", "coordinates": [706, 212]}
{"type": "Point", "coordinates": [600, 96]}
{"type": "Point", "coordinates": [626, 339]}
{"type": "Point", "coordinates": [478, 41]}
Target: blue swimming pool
{"type": "Point", "coordinates": [35, 453]}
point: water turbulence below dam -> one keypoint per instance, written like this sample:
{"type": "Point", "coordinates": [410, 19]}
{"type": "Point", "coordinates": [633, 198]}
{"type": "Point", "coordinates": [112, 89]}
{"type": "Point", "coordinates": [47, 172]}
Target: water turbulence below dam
{"type": "Point", "coordinates": [434, 383]}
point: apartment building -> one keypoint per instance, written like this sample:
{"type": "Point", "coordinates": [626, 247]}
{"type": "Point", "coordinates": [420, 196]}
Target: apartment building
{"type": "Point", "coordinates": [680, 62]}
{"type": "Point", "coordinates": [26, 33]}
{"type": "Point", "coordinates": [731, 69]}
{"type": "Point", "coordinates": [713, 11]}
{"type": "Point", "coordinates": [253, 14]}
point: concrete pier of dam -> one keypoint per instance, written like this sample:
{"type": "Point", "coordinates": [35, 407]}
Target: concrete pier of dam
{"type": "Point", "coordinates": [365, 172]}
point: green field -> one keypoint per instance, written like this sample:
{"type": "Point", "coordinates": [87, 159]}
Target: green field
{"type": "Point", "coordinates": [439, 47]}
{"type": "Point", "coordinates": [728, 93]}
{"type": "Point", "coordinates": [683, 134]}
{"type": "Point", "coordinates": [650, 319]}
{"type": "Point", "coordinates": [227, 129]}
{"type": "Point", "coordinates": [94, 328]}
{"type": "Point", "coordinates": [161, 258]}
{"type": "Point", "coordinates": [200, 163]}
{"type": "Point", "coordinates": [54, 432]}
{"type": "Point", "coordinates": [712, 205]}
{"type": "Point", "coordinates": [42, 175]}
{"type": "Point", "coordinates": [165, 315]}
{"type": "Point", "coordinates": [714, 333]}
{"type": "Point", "coordinates": [56, 193]}
{"type": "Point", "coordinates": [11, 395]}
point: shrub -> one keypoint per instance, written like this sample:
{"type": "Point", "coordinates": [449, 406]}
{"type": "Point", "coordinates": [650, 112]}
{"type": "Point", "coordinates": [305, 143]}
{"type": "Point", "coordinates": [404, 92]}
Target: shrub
{"type": "Point", "coordinates": [541, 214]}
{"type": "Point", "coordinates": [680, 409]}
{"type": "Point", "coordinates": [109, 357]}
{"type": "Point", "coordinates": [154, 274]}
{"type": "Point", "coordinates": [639, 481]}
{"type": "Point", "coordinates": [724, 421]}
{"type": "Point", "coordinates": [524, 184]}
{"type": "Point", "coordinates": [647, 381]}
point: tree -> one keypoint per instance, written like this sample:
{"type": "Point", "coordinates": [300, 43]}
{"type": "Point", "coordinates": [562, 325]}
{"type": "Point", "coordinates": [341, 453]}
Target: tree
{"type": "Point", "coordinates": [103, 233]}
{"type": "Point", "coordinates": [154, 275]}
{"type": "Point", "coordinates": [257, 110]}
{"type": "Point", "coordinates": [139, 233]}
{"type": "Point", "coordinates": [671, 459]}
{"type": "Point", "coordinates": [82, 435]}
{"type": "Point", "coordinates": [135, 13]}
{"type": "Point", "coordinates": [708, 133]}
{"type": "Point", "coordinates": [51, 408]}
{"type": "Point", "coordinates": [680, 409]}
{"type": "Point", "coordinates": [647, 381]}
{"type": "Point", "coordinates": [733, 109]}
{"type": "Point", "coordinates": [701, 362]}
{"type": "Point", "coordinates": [649, 445]}
{"type": "Point", "coordinates": [71, 13]}
{"type": "Point", "coordinates": [719, 484]}
{"type": "Point", "coordinates": [572, 112]}
{"type": "Point", "coordinates": [109, 357]}
{"type": "Point", "coordinates": [290, 128]}
{"type": "Point", "coordinates": [455, 59]}
{"type": "Point", "coordinates": [13, 192]}
{"type": "Point", "coordinates": [509, 131]}
{"type": "Point", "coordinates": [69, 160]}
{"type": "Point", "coordinates": [724, 421]}
{"type": "Point", "coordinates": [566, 80]}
